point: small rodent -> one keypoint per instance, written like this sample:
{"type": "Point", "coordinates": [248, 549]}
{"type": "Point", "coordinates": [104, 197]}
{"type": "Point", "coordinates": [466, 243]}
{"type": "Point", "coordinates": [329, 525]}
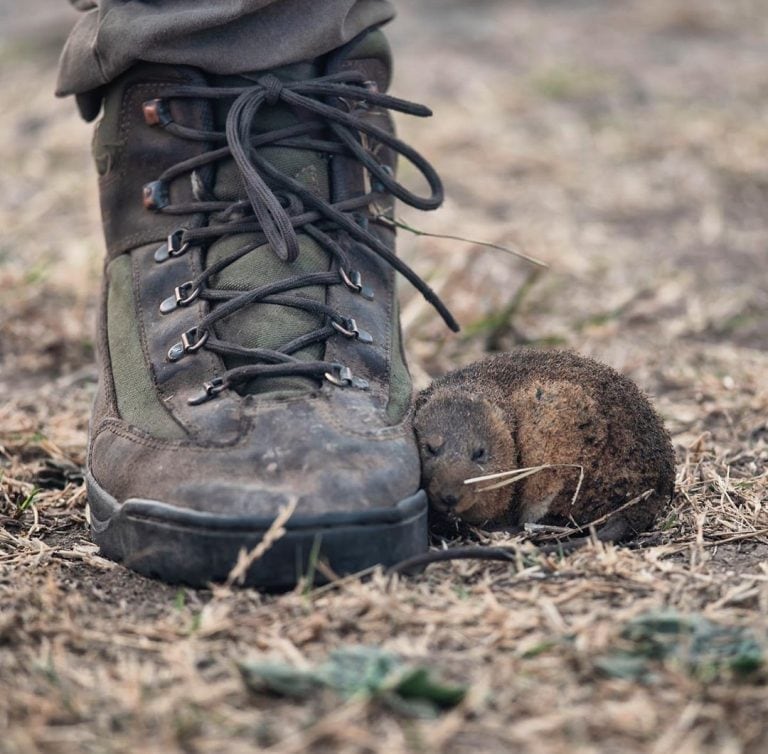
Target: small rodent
{"type": "Point", "coordinates": [529, 408]}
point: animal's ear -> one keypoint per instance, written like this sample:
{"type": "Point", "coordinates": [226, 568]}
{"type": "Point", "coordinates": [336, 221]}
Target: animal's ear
{"type": "Point", "coordinates": [503, 419]}
{"type": "Point", "coordinates": [433, 444]}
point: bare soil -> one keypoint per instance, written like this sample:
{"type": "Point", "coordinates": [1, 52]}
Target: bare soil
{"type": "Point", "coordinates": [625, 144]}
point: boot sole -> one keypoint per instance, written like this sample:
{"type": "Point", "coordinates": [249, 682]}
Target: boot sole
{"type": "Point", "coordinates": [182, 546]}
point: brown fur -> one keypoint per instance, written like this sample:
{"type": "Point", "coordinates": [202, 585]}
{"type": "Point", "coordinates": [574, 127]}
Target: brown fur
{"type": "Point", "coordinates": [529, 408]}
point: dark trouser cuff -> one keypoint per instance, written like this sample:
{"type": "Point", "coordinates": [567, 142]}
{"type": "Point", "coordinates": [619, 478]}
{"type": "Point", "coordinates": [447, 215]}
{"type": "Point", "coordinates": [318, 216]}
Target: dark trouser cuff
{"type": "Point", "coordinates": [225, 37]}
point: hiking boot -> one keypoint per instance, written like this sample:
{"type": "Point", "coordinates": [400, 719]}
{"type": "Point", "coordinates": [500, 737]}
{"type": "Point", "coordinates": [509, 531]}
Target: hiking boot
{"type": "Point", "coordinates": [250, 347]}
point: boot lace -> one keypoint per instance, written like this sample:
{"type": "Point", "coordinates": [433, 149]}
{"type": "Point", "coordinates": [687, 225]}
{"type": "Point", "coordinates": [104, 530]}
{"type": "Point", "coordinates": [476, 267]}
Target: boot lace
{"type": "Point", "coordinates": [278, 207]}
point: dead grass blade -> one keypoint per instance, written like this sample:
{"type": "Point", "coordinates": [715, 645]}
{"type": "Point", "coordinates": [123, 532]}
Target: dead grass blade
{"type": "Point", "coordinates": [276, 530]}
{"type": "Point", "coordinates": [515, 475]}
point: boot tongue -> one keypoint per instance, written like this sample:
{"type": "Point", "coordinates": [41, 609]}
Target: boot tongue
{"type": "Point", "coordinates": [265, 325]}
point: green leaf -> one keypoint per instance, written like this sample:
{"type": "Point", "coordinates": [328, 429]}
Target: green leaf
{"type": "Point", "coordinates": [280, 679]}
{"type": "Point", "coordinates": [705, 650]}
{"type": "Point", "coordinates": [624, 666]}
{"type": "Point", "coordinates": [356, 671]}
{"type": "Point", "coordinates": [417, 684]}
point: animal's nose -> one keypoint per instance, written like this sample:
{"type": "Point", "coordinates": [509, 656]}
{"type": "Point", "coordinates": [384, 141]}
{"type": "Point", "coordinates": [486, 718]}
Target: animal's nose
{"type": "Point", "coordinates": [449, 501]}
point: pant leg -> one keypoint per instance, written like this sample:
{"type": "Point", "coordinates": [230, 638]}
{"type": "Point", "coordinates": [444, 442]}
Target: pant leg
{"type": "Point", "coordinates": [220, 36]}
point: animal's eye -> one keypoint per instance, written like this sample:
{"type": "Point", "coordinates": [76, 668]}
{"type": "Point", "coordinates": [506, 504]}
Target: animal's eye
{"type": "Point", "coordinates": [434, 450]}
{"type": "Point", "coordinates": [480, 455]}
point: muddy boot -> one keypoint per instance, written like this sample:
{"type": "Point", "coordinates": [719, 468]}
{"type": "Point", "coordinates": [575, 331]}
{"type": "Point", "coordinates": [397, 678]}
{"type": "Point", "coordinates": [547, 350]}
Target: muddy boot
{"type": "Point", "coordinates": [250, 348]}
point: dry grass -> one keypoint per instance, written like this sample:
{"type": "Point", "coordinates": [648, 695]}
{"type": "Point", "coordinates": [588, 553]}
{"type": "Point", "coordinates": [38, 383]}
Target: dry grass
{"type": "Point", "coordinates": [637, 169]}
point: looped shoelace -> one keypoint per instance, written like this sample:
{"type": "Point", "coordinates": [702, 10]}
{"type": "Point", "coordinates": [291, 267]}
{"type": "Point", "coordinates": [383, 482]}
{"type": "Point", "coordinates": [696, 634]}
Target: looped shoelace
{"type": "Point", "coordinates": [277, 206]}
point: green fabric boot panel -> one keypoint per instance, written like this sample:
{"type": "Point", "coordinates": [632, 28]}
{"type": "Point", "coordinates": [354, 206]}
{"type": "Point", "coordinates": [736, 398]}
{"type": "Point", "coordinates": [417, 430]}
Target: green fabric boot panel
{"type": "Point", "coordinates": [137, 398]}
{"type": "Point", "coordinates": [400, 385]}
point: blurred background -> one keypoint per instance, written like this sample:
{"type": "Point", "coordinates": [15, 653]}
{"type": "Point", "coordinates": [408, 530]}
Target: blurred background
{"type": "Point", "coordinates": [624, 142]}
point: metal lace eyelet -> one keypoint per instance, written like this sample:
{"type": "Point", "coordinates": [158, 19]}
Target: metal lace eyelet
{"type": "Point", "coordinates": [210, 390]}
{"type": "Point", "coordinates": [176, 243]}
{"type": "Point", "coordinates": [161, 254]}
{"type": "Point", "coordinates": [345, 378]}
{"type": "Point", "coordinates": [174, 246]}
{"type": "Point", "coordinates": [168, 305]}
{"type": "Point", "coordinates": [183, 295]}
{"type": "Point", "coordinates": [155, 195]}
{"type": "Point", "coordinates": [175, 352]}
{"type": "Point", "coordinates": [354, 281]}
{"type": "Point", "coordinates": [189, 343]}
{"type": "Point", "coordinates": [156, 112]}
{"type": "Point", "coordinates": [348, 327]}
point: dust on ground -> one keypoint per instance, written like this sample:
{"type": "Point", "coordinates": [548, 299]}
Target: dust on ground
{"type": "Point", "coordinates": [624, 143]}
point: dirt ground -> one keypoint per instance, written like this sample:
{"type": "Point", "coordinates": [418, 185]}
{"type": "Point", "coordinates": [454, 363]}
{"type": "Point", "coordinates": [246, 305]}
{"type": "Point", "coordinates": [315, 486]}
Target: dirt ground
{"type": "Point", "coordinates": [623, 142]}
